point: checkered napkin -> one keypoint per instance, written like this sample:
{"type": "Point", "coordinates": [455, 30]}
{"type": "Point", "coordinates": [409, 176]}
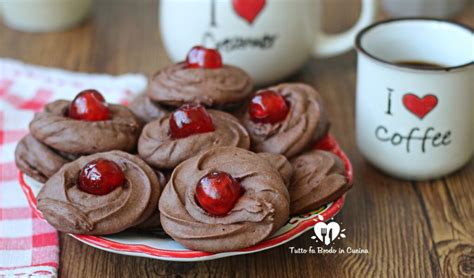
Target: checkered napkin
{"type": "Point", "coordinates": [28, 244]}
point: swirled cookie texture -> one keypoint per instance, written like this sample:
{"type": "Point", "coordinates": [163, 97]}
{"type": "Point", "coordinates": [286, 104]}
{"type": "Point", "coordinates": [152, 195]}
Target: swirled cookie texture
{"type": "Point", "coordinates": [305, 123]}
{"type": "Point", "coordinates": [281, 164]}
{"type": "Point", "coordinates": [71, 210]}
{"type": "Point", "coordinates": [146, 110]}
{"type": "Point", "coordinates": [176, 85]}
{"type": "Point", "coordinates": [37, 160]}
{"type": "Point", "coordinates": [53, 128]}
{"type": "Point", "coordinates": [153, 222]}
{"type": "Point", "coordinates": [159, 149]}
{"type": "Point", "coordinates": [262, 208]}
{"type": "Point", "coordinates": [319, 178]}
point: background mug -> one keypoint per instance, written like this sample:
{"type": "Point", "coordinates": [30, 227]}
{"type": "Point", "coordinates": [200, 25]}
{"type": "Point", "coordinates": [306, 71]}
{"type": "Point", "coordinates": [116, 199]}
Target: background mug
{"type": "Point", "coordinates": [44, 15]}
{"type": "Point", "coordinates": [415, 122]}
{"type": "Point", "coordinates": [270, 39]}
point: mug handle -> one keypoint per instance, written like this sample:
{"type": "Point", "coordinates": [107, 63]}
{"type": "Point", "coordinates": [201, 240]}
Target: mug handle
{"type": "Point", "coordinates": [330, 45]}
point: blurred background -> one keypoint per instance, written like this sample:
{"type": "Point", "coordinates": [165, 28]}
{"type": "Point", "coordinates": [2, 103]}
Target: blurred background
{"type": "Point", "coordinates": [128, 30]}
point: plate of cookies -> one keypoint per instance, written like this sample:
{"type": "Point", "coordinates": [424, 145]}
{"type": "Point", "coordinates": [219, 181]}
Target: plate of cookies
{"type": "Point", "coordinates": [199, 167]}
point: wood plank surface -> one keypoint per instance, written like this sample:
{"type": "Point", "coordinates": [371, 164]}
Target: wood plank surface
{"type": "Point", "coordinates": [411, 229]}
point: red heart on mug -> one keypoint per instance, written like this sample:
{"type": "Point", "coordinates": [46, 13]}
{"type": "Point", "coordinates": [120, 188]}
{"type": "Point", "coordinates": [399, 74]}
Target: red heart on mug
{"type": "Point", "coordinates": [420, 106]}
{"type": "Point", "coordinates": [248, 9]}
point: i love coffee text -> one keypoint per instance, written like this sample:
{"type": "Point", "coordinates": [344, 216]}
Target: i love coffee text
{"type": "Point", "coordinates": [416, 138]}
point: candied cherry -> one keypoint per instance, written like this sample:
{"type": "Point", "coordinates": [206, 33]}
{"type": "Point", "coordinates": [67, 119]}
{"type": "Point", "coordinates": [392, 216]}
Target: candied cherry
{"type": "Point", "coordinates": [100, 177]}
{"type": "Point", "coordinates": [190, 119]}
{"type": "Point", "coordinates": [201, 57]}
{"type": "Point", "coordinates": [89, 105]}
{"type": "Point", "coordinates": [268, 107]}
{"type": "Point", "coordinates": [218, 192]}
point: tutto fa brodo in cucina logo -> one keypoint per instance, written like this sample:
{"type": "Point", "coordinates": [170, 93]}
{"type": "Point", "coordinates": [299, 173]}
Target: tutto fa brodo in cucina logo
{"type": "Point", "coordinates": [325, 234]}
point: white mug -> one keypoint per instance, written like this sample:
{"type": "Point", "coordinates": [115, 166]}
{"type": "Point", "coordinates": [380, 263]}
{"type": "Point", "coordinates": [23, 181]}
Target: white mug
{"type": "Point", "coordinates": [270, 39]}
{"type": "Point", "coordinates": [44, 15]}
{"type": "Point", "coordinates": [414, 122]}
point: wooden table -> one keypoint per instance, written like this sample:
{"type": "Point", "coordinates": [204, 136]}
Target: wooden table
{"type": "Point", "coordinates": [411, 229]}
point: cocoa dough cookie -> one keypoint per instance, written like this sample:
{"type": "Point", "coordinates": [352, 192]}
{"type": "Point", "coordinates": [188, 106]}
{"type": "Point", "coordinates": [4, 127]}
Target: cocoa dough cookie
{"type": "Point", "coordinates": [71, 210]}
{"type": "Point", "coordinates": [37, 160]}
{"type": "Point", "coordinates": [319, 178]}
{"type": "Point", "coordinates": [146, 110]}
{"type": "Point", "coordinates": [261, 209]}
{"type": "Point", "coordinates": [305, 123]}
{"type": "Point", "coordinates": [281, 164]}
{"type": "Point", "coordinates": [153, 222]}
{"type": "Point", "coordinates": [158, 149]}
{"type": "Point", "coordinates": [176, 85]}
{"type": "Point", "coordinates": [53, 128]}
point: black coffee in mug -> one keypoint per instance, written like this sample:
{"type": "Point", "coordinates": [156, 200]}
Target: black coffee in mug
{"type": "Point", "coordinates": [419, 64]}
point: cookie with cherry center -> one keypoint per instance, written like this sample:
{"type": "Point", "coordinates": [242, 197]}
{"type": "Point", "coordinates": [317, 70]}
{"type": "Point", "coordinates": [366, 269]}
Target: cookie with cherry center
{"type": "Point", "coordinates": [202, 78]}
{"type": "Point", "coordinates": [224, 199]}
{"type": "Point", "coordinates": [187, 131]}
{"type": "Point", "coordinates": [100, 194]}
{"type": "Point", "coordinates": [65, 130]}
{"type": "Point", "coordinates": [285, 119]}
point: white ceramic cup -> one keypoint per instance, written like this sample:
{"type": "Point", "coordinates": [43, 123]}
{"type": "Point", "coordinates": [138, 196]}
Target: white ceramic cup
{"type": "Point", "coordinates": [44, 15]}
{"type": "Point", "coordinates": [270, 39]}
{"type": "Point", "coordinates": [411, 122]}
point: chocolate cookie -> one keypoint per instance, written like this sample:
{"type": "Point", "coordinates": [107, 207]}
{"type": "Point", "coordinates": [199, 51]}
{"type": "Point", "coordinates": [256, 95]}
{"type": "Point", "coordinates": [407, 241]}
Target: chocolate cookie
{"type": "Point", "coordinates": [176, 85]}
{"type": "Point", "coordinates": [145, 109]}
{"type": "Point", "coordinates": [305, 123]}
{"type": "Point", "coordinates": [153, 222]}
{"type": "Point", "coordinates": [319, 178]}
{"type": "Point", "coordinates": [71, 210]}
{"type": "Point", "coordinates": [281, 164]}
{"type": "Point", "coordinates": [261, 210]}
{"type": "Point", "coordinates": [55, 129]}
{"type": "Point", "coordinates": [158, 149]}
{"type": "Point", "coordinates": [37, 160]}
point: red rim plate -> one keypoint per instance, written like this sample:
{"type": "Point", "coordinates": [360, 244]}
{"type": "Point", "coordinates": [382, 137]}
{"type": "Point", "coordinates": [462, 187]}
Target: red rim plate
{"type": "Point", "coordinates": [328, 143]}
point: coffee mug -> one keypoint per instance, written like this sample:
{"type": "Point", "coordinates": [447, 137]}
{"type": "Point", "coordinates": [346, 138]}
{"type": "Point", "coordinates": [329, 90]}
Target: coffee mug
{"type": "Point", "coordinates": [270, 39]}
{"type": "Point", "coordinates": [44, 15]}
{"type": "Point", "coordinates": [415, 96]}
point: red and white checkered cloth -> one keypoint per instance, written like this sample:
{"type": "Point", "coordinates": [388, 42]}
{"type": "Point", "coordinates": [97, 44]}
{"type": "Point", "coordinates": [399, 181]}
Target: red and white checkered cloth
{"type": "Point", "coordinates": [28, 244]}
